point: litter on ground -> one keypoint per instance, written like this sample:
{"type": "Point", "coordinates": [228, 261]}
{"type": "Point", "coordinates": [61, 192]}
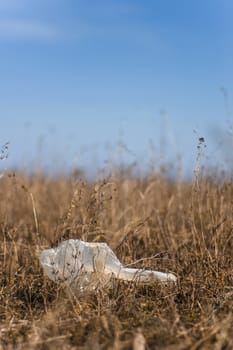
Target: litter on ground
{"type": "Point", "coordinates": [86, 266]}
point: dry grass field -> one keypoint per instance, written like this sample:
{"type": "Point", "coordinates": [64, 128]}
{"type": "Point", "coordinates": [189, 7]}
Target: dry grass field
{"type": "Point", "coordinates": [184, 228]}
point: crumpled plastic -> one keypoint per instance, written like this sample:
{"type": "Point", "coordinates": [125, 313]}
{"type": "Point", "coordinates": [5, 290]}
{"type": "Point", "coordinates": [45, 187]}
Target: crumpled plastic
{"type": "Point", "coordinates": [88, 266]}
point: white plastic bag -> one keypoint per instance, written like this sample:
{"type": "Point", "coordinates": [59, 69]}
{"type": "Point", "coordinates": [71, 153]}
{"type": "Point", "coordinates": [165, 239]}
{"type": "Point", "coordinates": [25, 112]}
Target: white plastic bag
{"type": "Point", "coordinates": [86, 266]}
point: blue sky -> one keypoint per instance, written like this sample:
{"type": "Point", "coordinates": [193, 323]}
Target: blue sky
{"type": "Point", "coordinates": [79, 78]}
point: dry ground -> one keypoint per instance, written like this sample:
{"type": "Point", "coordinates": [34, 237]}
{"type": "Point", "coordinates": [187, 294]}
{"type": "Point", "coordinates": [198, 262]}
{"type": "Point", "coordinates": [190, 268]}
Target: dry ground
{"type": "Point", "coordinates": [188, 228]}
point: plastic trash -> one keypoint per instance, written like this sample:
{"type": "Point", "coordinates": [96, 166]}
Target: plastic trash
{"type": "Point", "coordinates": [87, 266]}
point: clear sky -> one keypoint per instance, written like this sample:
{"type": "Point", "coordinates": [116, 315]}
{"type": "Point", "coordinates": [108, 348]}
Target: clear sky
{"type": "Point", "coordinates": [79, 77]}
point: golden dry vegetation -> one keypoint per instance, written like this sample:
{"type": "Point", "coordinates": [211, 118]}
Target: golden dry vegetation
{"type": "Point", "coordinates": [186, 227]}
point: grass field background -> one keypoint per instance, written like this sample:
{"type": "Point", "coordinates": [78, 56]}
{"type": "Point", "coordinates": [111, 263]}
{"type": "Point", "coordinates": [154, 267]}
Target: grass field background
{"type": "Point", "coordinates": [186, 226]}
